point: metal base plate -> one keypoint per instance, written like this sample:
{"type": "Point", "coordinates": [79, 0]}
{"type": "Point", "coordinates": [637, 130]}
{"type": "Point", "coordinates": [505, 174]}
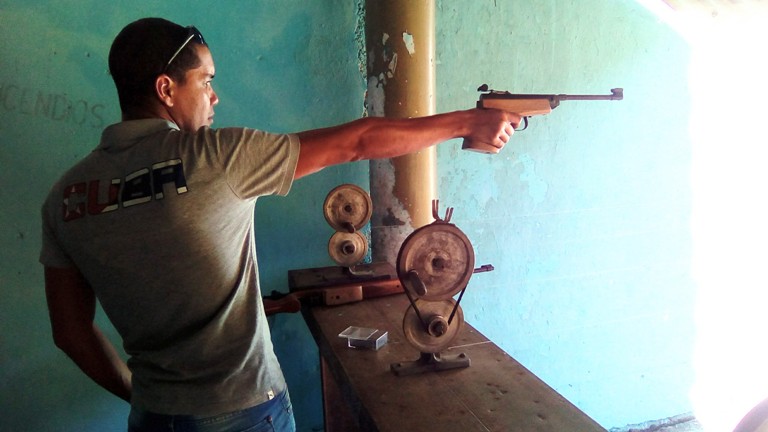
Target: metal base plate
{"type": "Point", "coordinates": [430, 362]}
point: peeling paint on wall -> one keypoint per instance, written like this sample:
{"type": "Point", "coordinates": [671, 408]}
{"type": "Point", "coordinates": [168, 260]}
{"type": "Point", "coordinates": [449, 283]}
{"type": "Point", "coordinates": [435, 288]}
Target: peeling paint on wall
{"type": "Point", "coordinates": [388, 57]}
{"type": "Point", "coordinates": [392, 66]}
{"type": "Point", "coordinates": [385, 181]}
{"type": "Point", "coordinates": [382, 65]}
{"type": "Point", "coordinates": [361, 50]}
{"type": "Point", "coordinates": [409, 44]}
{"type": "Point", "coordinates": [537, 186]}
{"type": "Point", "coordinates": [390, 215]}
{"type": "Point", "coordinates": [375, 96]}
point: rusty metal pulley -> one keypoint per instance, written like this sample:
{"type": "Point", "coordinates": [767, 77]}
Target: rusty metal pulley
{"type": "Point", "coordinates": [436, 261]}
{"type": "Point", "coordinates": [434, 264]}
{"type": "Point", "coordinates": [347, 208]}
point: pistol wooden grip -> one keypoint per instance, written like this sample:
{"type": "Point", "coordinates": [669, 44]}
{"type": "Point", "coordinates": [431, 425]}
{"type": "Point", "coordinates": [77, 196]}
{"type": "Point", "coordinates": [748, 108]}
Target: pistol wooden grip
{"type": "Point", "coordinates": [479, 147]}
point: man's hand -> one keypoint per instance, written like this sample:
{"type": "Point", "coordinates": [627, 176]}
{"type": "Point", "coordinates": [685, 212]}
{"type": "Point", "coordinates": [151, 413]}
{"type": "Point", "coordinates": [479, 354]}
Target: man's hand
{"type": "Point", "coordinates": [492, 130]}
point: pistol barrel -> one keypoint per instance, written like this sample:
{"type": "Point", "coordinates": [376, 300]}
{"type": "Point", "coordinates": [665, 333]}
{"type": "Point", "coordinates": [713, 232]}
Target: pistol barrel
{"type": "Point", "coordinates": [616, 94]}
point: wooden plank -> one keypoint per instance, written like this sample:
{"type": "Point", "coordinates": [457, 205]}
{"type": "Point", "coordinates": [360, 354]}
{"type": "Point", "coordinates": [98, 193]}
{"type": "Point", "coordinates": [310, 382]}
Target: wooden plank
{"type": "Point", "coordinates": [338, 415]}
{"type": "Point", "coordinates": [496, 393]}
{"type": "Point", "coordinates": [323, 277]}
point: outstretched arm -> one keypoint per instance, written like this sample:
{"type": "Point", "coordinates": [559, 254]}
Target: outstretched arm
{"type": "Point", "coordinates": [380, 138]}
{"type": "Point", "coordinates": [72, 307]}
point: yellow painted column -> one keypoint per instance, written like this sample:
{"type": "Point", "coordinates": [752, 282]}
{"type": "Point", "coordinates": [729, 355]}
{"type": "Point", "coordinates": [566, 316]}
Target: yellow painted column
{"type": "Point", "coordinates": [400, 41]}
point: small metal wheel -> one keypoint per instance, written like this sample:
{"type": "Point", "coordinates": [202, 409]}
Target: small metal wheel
{"type": "Point", "coordinates": [347, 249]}
{"type": "Point", "coordinates": [428, 329]}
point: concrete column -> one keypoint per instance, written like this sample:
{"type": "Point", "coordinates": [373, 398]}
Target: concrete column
{"type": "Point", "coordinates": [400, 41]}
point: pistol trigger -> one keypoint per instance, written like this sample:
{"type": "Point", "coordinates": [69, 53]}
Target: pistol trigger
{"type": "Point", "coordinates": [525, 124]}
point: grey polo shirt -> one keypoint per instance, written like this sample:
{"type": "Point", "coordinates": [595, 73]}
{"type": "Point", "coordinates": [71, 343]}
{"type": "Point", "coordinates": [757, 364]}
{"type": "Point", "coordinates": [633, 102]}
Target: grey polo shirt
{"type": "Point", "coordinates": [160, 223]}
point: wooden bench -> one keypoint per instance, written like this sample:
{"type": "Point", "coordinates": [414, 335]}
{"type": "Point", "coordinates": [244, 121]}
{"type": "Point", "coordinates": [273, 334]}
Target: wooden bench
{"type": "Point", "coordinates": [496, 393]}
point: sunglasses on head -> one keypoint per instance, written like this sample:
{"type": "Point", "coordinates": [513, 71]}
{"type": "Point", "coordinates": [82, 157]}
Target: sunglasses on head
{"type": "Point", "coordinates": [192, 33]}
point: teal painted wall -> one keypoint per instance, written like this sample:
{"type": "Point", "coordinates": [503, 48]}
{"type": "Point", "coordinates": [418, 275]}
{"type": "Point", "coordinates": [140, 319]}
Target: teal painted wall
{"type": "Point", "coordinates": [585, 217]}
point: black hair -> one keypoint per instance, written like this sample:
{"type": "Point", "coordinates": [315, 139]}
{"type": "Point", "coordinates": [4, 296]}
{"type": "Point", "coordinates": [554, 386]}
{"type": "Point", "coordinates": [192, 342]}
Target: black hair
{"type": "Point", "coordinates": [141, 51]}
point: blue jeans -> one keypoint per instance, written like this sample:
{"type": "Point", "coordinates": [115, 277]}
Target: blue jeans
{"type": "Point", "coordinates": [275, 415]}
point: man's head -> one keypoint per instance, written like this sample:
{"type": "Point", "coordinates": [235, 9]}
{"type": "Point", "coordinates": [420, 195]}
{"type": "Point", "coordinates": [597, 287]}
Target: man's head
{"type": "Point", "coordinates": [151, 61]}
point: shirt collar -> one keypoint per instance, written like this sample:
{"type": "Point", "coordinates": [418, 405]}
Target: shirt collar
{"type": "Point", "coordinates": [125, 134]}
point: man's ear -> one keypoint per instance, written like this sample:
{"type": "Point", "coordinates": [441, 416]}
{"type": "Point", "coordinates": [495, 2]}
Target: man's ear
{"type": "Point", "coordinates": [164, 86]}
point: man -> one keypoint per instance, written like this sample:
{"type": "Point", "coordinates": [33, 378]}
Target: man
{"type": "Point", "coordinates": [157, 224]}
